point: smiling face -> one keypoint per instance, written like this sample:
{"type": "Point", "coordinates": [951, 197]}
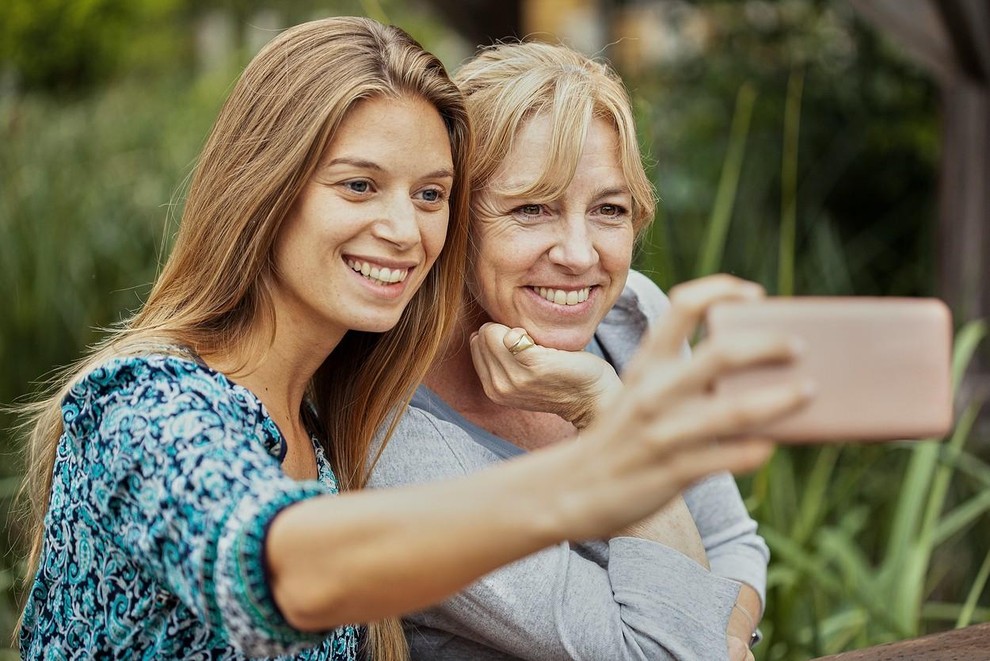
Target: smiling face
{"type": "Point", "coordinates": [554, 267]}
{"type": "Point", "coordinates": [369, 224]}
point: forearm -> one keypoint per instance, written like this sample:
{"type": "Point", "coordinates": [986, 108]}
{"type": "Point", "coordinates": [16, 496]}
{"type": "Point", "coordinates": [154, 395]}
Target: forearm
{"type": "Point", "coordinates": [671, 526]}
{"type": "Point", "coordinates": [362, 556]}
{"type": "Point", "coordinates": [650, 602]}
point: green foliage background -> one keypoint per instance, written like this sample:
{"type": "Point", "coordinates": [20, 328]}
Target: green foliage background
{"type": "Point", "coordinates": [798, 149]}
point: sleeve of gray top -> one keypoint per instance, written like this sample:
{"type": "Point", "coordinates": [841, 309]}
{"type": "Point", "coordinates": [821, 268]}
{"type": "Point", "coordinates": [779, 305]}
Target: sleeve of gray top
{"type": "Point", "coordinates": [651, 602]}
{"type": "Point", "coordinates": [734, 548]}
{"type": "Point", "coordinates": [732, 544]}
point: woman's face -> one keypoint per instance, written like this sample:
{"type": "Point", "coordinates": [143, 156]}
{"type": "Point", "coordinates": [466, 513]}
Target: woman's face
{"type": "Point", "coordinates": [555, 268]}
{"type": "Point", "coordinates": [369, 224]}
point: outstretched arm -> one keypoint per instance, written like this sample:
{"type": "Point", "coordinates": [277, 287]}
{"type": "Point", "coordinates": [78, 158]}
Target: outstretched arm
{"type": "Point", "coordinates": [367, 555]}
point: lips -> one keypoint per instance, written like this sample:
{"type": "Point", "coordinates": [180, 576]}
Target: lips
{"type": "Point", "coordinates": [381, 275]}
{"type": "Point", "coordinates": [563, 296]}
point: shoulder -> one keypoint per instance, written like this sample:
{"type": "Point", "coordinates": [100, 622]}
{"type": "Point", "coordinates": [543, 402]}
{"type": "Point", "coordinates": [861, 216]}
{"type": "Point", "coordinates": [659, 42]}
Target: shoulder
{"type": "Point", "coordinates": [639, 306]}
{"type": "Point", "coordinates": [642, 294]}
{"type": "Point", "coordinates": [157, 385]}
{"type": "Point", "coordinates": [131, 373]}
{"type": "Point", "coordinates": [424, 448]}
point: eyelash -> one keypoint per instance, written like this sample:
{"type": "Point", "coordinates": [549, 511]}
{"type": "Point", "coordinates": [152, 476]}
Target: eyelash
{"type": "Point", "coordinates": [620, 211]}
{"type": "Point", "coordinates": [370, 188]}
{"type": "Point", "coordinates": [520, 210]}
{"type": "Point", "coordinates": [348, 185]}
{"type": "Point", "coordinates": [441, 195]}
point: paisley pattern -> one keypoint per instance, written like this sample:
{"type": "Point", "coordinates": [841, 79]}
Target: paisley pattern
{"type": "Point", "coordinates": [166, 477]}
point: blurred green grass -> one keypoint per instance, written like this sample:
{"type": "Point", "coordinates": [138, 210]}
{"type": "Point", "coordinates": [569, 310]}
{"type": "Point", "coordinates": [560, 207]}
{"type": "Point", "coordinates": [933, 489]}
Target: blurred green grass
{"type": "Point", "coordinates": [88, 186]}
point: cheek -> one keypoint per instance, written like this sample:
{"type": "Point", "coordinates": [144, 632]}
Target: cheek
{"type": "Point", "coordinates": [434, 236]}
{"type": "Point", "coordinates": [615, 252]}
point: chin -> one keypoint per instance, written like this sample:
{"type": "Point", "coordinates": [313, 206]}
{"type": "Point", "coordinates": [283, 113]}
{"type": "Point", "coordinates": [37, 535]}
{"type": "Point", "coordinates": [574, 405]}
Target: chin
{"type": "Point", "coordinates": [563, 340]}
{"type": "Point", "coordinates": [375, 325]}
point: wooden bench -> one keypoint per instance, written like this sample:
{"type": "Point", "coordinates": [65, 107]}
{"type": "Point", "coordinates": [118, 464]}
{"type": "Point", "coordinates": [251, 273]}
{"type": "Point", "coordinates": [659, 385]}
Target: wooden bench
{"type": "Point", "coordinates": [967, 644]}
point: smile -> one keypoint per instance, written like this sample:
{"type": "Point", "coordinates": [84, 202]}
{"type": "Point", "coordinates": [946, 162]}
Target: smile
{"type": "Point", "coordinates": [380, 275]}
{"type": "Point", "coordinates": [562, 297]}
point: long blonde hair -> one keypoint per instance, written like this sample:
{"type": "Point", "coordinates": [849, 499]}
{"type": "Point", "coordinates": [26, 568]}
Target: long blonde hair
{"type": "Point", "coordinates": [508, 83]}
{"type": "Point", "coordinates": [217, 283]}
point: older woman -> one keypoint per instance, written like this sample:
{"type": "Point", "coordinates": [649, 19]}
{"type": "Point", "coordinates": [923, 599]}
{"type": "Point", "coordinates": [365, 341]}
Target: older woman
{"type": "Point", "coordinates": [561, 196]}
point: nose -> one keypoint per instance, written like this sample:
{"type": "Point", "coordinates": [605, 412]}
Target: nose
{"type": "Point", "coordinates": [398, 223]}
{"type": "Point", "coordinates": [574, 247]}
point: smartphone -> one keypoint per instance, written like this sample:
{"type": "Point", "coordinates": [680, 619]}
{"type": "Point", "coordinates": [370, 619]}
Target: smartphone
{"type": "Point", "coordinates": [881, 367]}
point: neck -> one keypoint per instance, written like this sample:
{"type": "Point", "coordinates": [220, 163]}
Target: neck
{"type": "Point", "coordinates": [278, 373]}
{"type": "Point", "coordinates": [452, 375]}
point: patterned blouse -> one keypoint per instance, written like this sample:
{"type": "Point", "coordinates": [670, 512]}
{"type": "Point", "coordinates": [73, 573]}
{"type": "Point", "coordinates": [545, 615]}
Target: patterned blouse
{"type": "Point", "coordinates": [166, 478]}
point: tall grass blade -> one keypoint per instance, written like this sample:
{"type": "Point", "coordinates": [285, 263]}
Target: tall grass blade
{"type": "Point", "coordinates": [814, 495]}
{"type": "Point", "coordinates": [788, 185]}
{"type": "Point", "coordinates": [718, 225]}
{"type": "Point", "coordinates": [969, 606]}
{"type": "Point", "coordinates": [967, 340]}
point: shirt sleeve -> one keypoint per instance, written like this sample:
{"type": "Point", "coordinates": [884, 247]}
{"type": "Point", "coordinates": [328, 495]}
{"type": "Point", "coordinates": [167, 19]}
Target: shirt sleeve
{"type": "Point", "coordinates": [189, 488]}
{"type": "Point", "coordinates": [647, 602]}
{"type": "Point", "coordinates": [735, 549]}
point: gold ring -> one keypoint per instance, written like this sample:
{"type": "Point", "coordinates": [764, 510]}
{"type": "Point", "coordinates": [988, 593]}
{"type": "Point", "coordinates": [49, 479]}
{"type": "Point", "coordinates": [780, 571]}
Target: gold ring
{"type": "Point", "coordinates": [523, 343]}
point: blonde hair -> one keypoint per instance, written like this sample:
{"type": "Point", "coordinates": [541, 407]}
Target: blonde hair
{"type": "Point", "coordinates": [217, 283]}
{"type": "Point", "coordinates": [508, 83]}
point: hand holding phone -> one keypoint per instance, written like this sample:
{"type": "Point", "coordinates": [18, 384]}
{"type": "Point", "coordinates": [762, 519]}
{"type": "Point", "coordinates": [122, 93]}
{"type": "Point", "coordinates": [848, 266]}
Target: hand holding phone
{"type": "Point", "coordinates": [881, 367]}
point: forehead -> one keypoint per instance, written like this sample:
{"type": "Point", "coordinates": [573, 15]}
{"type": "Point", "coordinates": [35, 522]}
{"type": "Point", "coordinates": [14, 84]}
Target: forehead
{"type": "Point", "coordinates": [405, 129]}
{"type": "Point", "coordinates": [542, 157]}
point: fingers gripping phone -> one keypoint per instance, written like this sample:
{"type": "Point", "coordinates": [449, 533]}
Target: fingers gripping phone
{"type": "Point", "coordinates": [881, 366]}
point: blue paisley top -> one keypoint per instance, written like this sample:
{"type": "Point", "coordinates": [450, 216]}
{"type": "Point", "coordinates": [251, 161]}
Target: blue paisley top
{"type": "Point", "coordinates": [166, 478]}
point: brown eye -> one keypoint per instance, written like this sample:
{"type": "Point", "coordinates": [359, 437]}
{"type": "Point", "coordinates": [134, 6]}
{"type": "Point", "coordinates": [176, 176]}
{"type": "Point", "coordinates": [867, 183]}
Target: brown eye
{"type": "Point", "coordinates": [611, 210]}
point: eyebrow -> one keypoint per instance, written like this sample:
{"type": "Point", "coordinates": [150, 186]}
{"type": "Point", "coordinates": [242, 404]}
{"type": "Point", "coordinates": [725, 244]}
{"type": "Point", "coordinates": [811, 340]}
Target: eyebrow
{"type": "Point", "coordinates": [598, 194]}
{"type": "Point", "coordinates": [608, 192]}
{"type": "Point", "coordinates": [371, 165]}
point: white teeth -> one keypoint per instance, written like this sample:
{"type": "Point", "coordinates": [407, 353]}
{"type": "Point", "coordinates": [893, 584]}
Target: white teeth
{"type": "Point", "coordinates": [379, 275]}
{"type": "Point", "coordinates": [561, 297]}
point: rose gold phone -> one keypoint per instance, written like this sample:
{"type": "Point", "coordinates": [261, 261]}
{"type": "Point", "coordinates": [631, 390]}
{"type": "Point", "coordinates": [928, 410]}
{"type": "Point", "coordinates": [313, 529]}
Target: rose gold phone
{"type": "Point", "coordinates": [881, 366]}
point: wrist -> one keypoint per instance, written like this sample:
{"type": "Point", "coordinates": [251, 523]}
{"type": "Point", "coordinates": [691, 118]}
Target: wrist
{"type": "Point", "coordinates": [589, 409]}
{"type": "Point", "coordinates": [751, 634]}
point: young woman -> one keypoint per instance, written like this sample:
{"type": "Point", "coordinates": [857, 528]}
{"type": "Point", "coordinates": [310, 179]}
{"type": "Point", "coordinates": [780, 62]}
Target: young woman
{"type": "Point", "coordinates": [184, 476]}
{"type": "Point", "coordinates": [560, 197]}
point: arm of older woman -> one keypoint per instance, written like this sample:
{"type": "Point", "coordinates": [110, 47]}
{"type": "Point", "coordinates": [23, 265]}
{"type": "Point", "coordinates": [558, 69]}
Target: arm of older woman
{"type": "Point", "coordinates": [578, 385]}
{"type": "Point", "coordinates": [623, 599]}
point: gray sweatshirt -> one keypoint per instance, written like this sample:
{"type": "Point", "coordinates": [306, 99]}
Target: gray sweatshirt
{"type": "Point", "coordinates": [622, 598]}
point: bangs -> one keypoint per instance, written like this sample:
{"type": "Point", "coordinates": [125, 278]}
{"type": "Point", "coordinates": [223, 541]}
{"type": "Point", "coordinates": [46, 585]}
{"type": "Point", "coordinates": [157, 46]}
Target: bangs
{"type": "Point", "coordinates": [569, 111]}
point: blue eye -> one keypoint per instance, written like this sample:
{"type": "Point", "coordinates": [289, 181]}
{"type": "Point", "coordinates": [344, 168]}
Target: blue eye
{"type": "Point", "coordinates": [530, 209]}
{"type": "Point", "coordinates": [432, 195]}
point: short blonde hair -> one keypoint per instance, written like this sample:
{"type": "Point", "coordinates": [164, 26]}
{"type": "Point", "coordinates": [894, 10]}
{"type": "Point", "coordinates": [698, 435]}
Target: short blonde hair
{"type": "Point", "coordinates": [508, 83]}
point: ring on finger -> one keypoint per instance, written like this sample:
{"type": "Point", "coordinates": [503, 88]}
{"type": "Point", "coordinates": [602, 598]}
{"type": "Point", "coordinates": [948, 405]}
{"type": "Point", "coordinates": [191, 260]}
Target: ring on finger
{"type": "Point", "coordinates": [523, 343]}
